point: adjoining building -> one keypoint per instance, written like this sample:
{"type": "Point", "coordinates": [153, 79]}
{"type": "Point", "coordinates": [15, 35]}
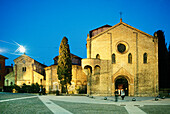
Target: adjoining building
{"type": "Point", "coordinates": [26, 71]}
{"type": "Point", "coordinates": [121, 57]}
{"type": "Point", "coordinates": [9, 76]}
{"type": "Point", "coordinates": [79, 80]}
{"type": "Point", "coordinates": [29, 71]}
{"type": "Point", "coordinates": [2, 71]}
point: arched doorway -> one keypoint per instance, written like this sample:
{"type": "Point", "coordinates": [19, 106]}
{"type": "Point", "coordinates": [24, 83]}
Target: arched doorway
{"type": "Point", "coordinates": [88, 72]}
{"type": "Point", "coordinates": [121, 83]}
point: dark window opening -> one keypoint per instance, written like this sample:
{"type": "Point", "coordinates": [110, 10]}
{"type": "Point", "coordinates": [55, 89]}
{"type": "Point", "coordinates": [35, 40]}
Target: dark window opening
{"type": "Point", "coordinates": [23, 69]}
{"type": "Point", "coordinates": [97, 56]}
{"type": "Point", "coordinates": [121, 48]}
{"type": "Point", "coordinates": [113, 58]}
{"type": "Point", "coordinates": [130, 58]}
{"type": "Point", "coordinates": [145, 58]}
{"type": "Point", "coordinates": [41, 81]}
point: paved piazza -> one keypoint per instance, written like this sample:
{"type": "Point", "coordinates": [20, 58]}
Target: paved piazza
{"type": "Point", "coordinates": [18, 103]}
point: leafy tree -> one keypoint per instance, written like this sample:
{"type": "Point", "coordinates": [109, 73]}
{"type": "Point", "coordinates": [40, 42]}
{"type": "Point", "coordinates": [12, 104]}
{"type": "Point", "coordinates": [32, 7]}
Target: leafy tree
{"type": "Point", "coordinates": [33, 88]}
{"type": "Point", "coordinates": [25, 88]}
{"type": "Point", "coordinates": [16, 87]}
{"type": "Point", "coordinates": [37, 88]}
{"type": "Point", "coordinates": [64, 69]}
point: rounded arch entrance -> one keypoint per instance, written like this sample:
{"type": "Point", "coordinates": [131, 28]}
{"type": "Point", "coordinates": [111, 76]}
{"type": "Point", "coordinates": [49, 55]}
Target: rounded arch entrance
{"type": "Point", "coordinates": [88, 72]}
{"type": "Point", "coordinates": [121, 83]}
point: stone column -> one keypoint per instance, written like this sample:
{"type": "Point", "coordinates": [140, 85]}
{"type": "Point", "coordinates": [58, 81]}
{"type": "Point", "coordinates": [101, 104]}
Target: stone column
{"type": "Point", "coordinates": [88, 47]}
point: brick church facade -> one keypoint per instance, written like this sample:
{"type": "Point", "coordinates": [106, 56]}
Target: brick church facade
{"type": "Point", "coordinates": [121, 57]}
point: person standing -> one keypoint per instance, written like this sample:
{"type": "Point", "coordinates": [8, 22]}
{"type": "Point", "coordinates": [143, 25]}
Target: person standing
{"type": "Point", "coordinates": [123, 94]}
{"type": "Point", "coordinates": [116, 95]}
{"type": "Point", "coordinates": [40, 92]}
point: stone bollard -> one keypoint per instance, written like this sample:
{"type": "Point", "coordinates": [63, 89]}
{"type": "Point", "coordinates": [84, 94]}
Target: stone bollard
{"type": "Point", "coordinates": [156, 98]}
{"type": "Point", "coordinates": [133, 99]}
{"type": "Point", "coordinates": [91, 97]}
{"type": "Point", "coordinates": [105, 98]}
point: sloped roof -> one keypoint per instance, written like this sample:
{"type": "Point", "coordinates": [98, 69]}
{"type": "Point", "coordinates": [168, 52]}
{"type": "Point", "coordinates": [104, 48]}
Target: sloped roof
{"type": "Point", "coordinates": [101, 27]}
{"type": "Point", "coordinates": [1, 56]}
{"type": "Point", "coordinates": [31, 58]}
{"type": "Point", "coordinates": [72, 55]}
{"type": "Point", "coordinates": [121, 23]}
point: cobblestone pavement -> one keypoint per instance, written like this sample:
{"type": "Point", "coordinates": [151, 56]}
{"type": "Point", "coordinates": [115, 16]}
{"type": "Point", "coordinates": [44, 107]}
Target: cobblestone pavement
{"type": "Point", "coordinates": [91, 105]}
{"type": "Point", "coordinates": [56, 109]}
{"type": "Point", "coordinates": [22, 104]}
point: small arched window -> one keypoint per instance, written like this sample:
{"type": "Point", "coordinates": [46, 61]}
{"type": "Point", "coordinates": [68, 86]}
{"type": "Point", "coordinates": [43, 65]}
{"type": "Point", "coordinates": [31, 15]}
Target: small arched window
{"type": "Point", "coordinates": [88, 70]}
{"type": "Point", "coordinates": [97, 56]}
{"type": "Point", "coordinates": [41, 81]}
{"type": "Point", "coordinates": [113, 58]}
{"type": "Point", "coordinates": [97, 69]}
{"type": "Point", "coordinates": [130, 58]}
{"type": "Point", "coordinates": [97, 74]}
{"type": "Point", "coordinates": [145, 58]}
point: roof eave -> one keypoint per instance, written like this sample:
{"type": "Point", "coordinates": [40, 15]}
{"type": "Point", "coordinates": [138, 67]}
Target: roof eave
{"type": "Point", "coordinates": [118, 25]}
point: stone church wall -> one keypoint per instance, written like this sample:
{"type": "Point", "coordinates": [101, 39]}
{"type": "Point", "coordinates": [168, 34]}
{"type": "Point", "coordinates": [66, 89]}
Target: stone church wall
{"type": "Point", "coordinates": [142, 77]}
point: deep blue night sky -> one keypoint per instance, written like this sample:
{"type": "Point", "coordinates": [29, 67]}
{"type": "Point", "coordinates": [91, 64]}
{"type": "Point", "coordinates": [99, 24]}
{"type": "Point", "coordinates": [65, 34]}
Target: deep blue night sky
{"type": "Point", "coordinates": [40, 25]}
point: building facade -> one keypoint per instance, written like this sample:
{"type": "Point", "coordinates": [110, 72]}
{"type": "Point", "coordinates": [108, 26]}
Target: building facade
{"type": "Point", "coordinates": [79, 80]}
{"type": "Point", "coordinates": [2, 71]}
{"type": "Point", "coordinates": [121, 57]}
{"type": "Point", "coordinates": [28, 71]}
{"type": "Point", "coordinates": [9, 76]}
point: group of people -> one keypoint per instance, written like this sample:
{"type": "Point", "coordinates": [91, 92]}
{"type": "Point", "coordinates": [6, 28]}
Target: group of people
{"type": "Point", "coordinates": [42, 91]}
{"type": "Point", "coordinates": [119, 92]}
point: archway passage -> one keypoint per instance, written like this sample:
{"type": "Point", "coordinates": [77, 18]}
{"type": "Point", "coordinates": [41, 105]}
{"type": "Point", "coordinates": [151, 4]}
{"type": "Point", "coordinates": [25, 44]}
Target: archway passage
{"type": "Point", "coordinates": [121, 83]}
{"type": "Point", "coordinates": [88, 72]}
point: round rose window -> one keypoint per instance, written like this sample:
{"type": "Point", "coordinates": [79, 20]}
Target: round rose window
{"type": "Point", "coordinates": [121, 48]}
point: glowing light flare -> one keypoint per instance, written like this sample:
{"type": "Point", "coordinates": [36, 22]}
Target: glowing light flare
{"type": "Point", "coordinates": [21, 48]}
